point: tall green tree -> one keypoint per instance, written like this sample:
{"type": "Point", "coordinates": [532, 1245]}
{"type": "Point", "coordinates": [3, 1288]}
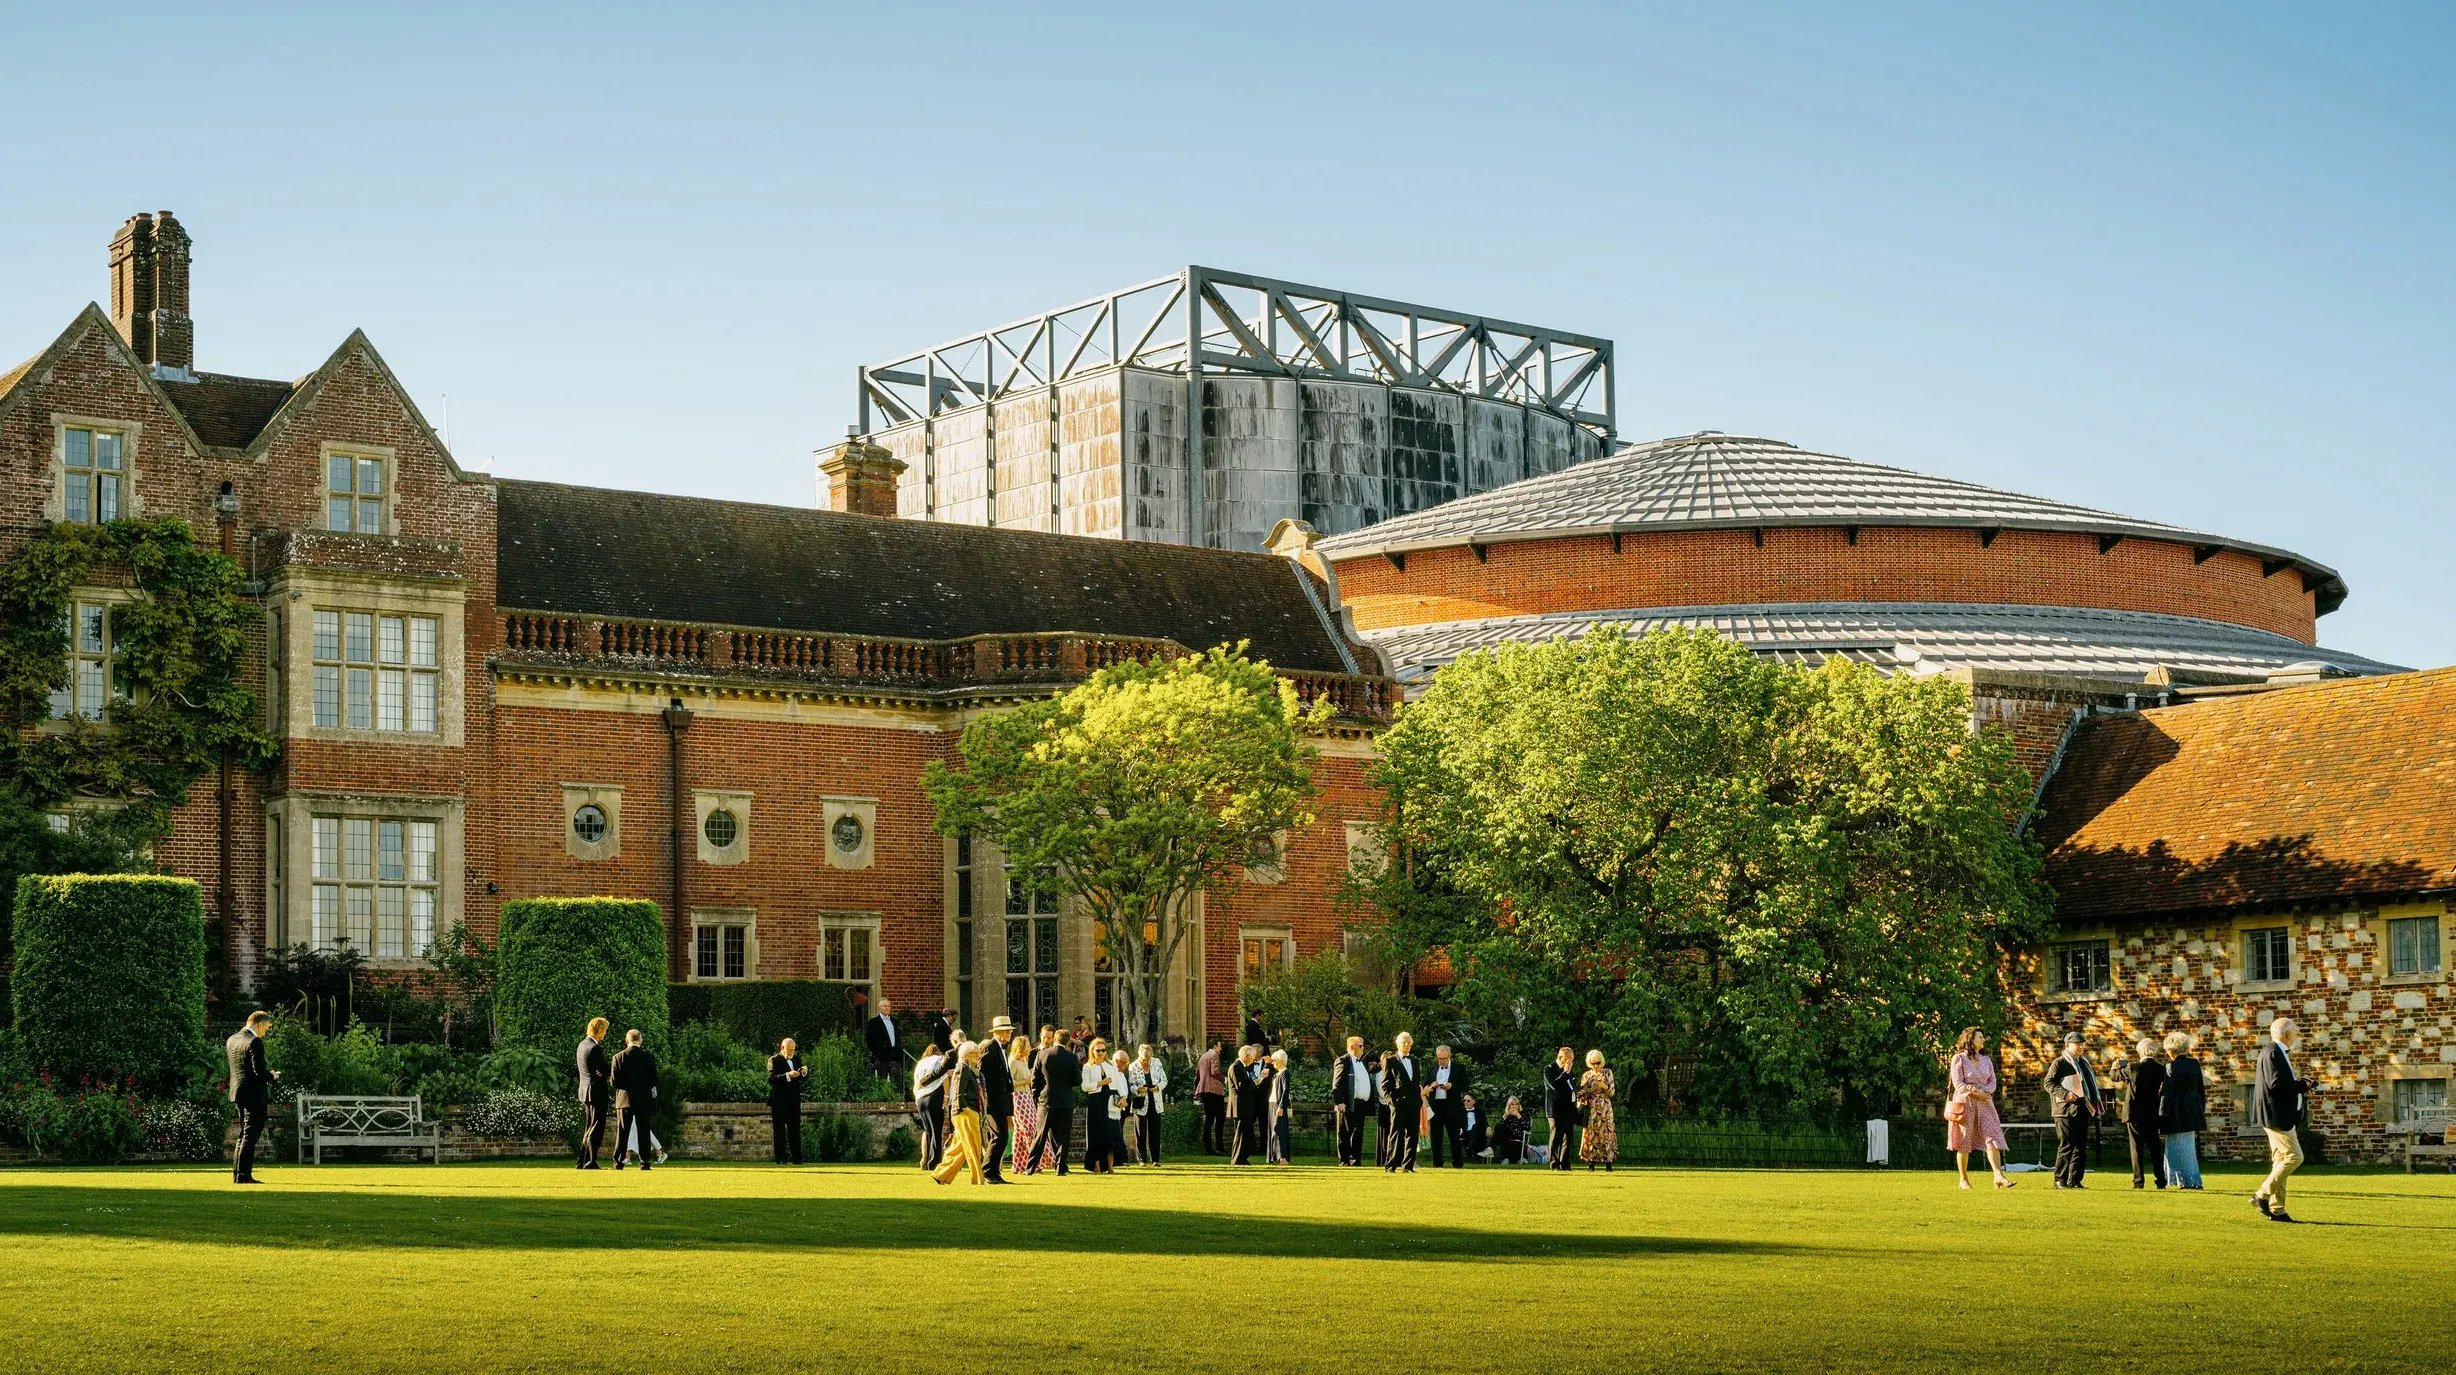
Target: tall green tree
{"type": "Point", "coordinates": [1794, 881]}
{"type": "Point", "coordinates": [1134, 792]}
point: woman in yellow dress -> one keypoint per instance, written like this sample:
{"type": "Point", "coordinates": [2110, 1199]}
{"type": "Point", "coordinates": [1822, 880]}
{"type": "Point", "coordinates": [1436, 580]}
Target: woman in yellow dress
{"type": "Point", "coordinates": [965, 1101]}
{"type": "Point", "coordinates": [1600, 1143]}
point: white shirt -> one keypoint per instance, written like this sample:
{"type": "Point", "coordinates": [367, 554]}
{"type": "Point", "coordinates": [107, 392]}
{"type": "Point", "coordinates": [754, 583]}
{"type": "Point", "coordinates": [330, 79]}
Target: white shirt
{"type": "Point", "coordinates": [1363, 1085]}
{"type": "Point", "coordinates": [890, 1021]}
{"type": "Point", "coordinates": [1441, 1081]}
{"type": "Point", "coordinates": [924, 1073]}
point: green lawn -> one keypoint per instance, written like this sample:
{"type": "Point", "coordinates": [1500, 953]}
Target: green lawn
{"type": "Point", "coordinates": [741, 1269]}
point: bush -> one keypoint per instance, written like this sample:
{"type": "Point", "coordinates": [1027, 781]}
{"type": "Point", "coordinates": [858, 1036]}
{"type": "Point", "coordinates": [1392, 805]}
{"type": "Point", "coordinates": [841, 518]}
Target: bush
{"type": "Point", "coordinates": [565, 960]}
{"type": "Point", "coordinates": [762, 1012]}
{"type": "Point", "coordinates": [109, 979]}
{"type": "Point", "coordinates": [185, 1129]}
{"type": "Point", "coordinates": [445, 1088]}
{"type": "Point", "coordinates": [836, 1138]}
{"type": "Point", "coordinates": [520, 1114]}
{"type": "Point", "coordinates": [840, 1073]}
{"type": "Point", "coordinates": [527, 1067]}
{"type": "Point", "coordinates": [903, 1145]}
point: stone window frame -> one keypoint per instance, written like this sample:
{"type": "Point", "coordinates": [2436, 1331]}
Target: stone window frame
{"type": "Point", "coordinates": [2396, 1072]}
{"type": "Point", "coordinates": [719, 919]}
{"type": "Point", "coordinates": [109, 598]}
{"type": "Point", "coordinates": [384, 454]}
{"type": "Point", "coordinates": [862, 809]}
{"type": "Point", "coordinates": [1368, 850]}
{"type": "Point", "coordinates": [1272, 934]}
{"type": "Point", "coordinates": [965, 859]}
{"type": "Point", "coordinates": [131, 435]}
{"type": "Point", "coordinates": [605, 797]}
{"type": "Point", "coordinates": [375, 666]}
{"type": "Point", "coordinates": [870, 924]}
{"type": "Point", "coordinates": [302, 590]}
{"type": "Point", "coordinates": [2378, 923]}
{"type": "Point", "coordinates": [1272, 871]}
{"type": "Point", "coordinates": [705, 802]}
{"type": "Point", "coordinates": [2238, 957]}
{"type": "Point", "coordinates": [290, 826]}
{"type": "Point", "coordinates": [2044, 981]}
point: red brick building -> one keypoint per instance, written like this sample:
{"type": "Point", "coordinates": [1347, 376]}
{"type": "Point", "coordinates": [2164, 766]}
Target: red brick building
{"type": "Point", "coordinates": [492, 689]}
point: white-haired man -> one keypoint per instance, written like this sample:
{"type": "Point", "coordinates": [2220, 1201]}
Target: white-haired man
{"type": "Point", "coordinates": [2276, 1107]}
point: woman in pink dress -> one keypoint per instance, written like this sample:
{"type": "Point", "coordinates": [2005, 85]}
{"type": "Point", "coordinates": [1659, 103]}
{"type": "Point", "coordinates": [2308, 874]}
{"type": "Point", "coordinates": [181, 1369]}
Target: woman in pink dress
{"type": "Point", "coordinates": [1970, 1121]}
{"type": "Point", "coordinates": [1027, 1108]}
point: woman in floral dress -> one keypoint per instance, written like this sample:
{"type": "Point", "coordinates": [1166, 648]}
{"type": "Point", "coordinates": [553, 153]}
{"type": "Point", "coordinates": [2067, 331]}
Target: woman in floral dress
{"type": "Point", "coordinates": [1601, 1143]}
{"type": "Point", "coordinates": [1027, 1108]}
{"type": "Point", "coordinates": [1970, 1120]}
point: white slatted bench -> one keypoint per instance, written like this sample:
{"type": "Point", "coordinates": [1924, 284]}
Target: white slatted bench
{"type": "Point", "coordinates": [2440, 1122]}
{"type": "Point", "coordinates": [330, 1121]}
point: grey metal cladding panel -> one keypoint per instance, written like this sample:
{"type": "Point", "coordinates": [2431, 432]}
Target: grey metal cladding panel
{"type": "Point", "coordinates": [1496, 445]}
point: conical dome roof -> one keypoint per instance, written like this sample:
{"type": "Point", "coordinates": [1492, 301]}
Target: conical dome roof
{"type": "Point", "coordinates": [1711, 481]}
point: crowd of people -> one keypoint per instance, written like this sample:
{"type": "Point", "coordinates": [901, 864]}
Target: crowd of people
{"type": "Point", "coordinates": [2163, 1114]}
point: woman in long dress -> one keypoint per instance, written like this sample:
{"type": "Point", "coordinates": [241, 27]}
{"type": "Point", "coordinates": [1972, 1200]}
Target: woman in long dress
{"type": "Point", "coordinates": [1600, 1144]}
{"type": "Point", "coordinates": [1970, 1120]}
{"type": "Point", "coordinates": [1104, 1089]}
{"type": "Point", "coordinates": [1147, 1083]}
{"type": "Point", "coordinates": [1026, 1121]}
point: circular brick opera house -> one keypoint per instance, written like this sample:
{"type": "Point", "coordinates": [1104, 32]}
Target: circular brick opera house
{"type": "Point", "coordinates": [1801, 555]}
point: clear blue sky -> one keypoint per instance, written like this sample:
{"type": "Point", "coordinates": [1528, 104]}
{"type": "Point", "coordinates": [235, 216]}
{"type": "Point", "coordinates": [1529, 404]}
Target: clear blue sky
{"type": "Point", "coordinates": [2186, 261]}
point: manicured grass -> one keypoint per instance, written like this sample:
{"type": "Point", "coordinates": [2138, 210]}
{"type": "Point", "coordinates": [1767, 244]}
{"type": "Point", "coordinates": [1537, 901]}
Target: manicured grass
{"type": "Point", "coordinates": [742, 1269]}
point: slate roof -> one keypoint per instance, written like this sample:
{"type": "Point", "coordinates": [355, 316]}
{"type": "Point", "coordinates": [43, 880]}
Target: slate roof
{"type": "Point", "coordinates": [2331, 792]}
{"type": "Point", "coordinates": [1719, 481]}
{"type": "Point", "coordinates": [228, 412]}
{"type": "Point", "coordinates": [2121, 645]}
{"type": "Point", "coordinates": [596, 552]}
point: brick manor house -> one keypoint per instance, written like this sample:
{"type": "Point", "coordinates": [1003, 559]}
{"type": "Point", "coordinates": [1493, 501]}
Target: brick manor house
{"type": "Point", "coordinates": [488, 688]}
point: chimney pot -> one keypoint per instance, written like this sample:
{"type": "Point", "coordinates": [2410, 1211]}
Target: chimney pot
{"type": "Point", "coordinates": [860, 477]}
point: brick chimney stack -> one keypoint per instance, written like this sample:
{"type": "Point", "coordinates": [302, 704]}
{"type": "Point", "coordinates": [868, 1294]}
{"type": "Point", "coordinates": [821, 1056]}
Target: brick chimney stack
{"type": "Point", "coordinates": [861, 477]}
{"type": "Point", "coordinates": [149, 291]}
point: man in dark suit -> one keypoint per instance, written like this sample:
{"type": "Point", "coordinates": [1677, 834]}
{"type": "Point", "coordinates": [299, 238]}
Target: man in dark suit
{"type": "Point", "coordinates": [1474, 1132]}
{"type": "Point", "coordinates": [2276, 1108]}
{"type": "Point", "coordinates": [251, 1088]}
{"type": "Point", "coordinates": [1057, 1078]}
{"type": "Point", "coordinates": [942, 1029]}
{"type": "Point", "coordinates": [1352, 1096]}
{"type": "Point", "coordinates": [595, 1094]}
{"type": "Point", "coordinates": [1446, 1089]}
{"type": "Point", "coordinates": [1249, 1082]}
{"type": "Point", "coordinates": [2073, 1093]}
{"type": "Point", "coordinates": [1404, 1094]}
{"type": "Point", "coordinates": [785, 1075]}
{"type": "Point", "coordinates": [886, 1048]}
{"type": "Point", "coordinates": [2142, 1111]}
{"type": "Point", "coordinates": [1255, 1035]}
{"type": "Point", "coordinates": [634, 1077]}
{"type": "Point", "coordinates": [998, 1086]}
{"type": "Point", "coordinates": [1561, 1105]}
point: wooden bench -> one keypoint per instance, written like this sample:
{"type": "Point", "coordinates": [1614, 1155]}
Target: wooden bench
{"type": "Point", "coordinates": [2439, 1121]}
{"type": "Point", "coordinates": [329, 1121]}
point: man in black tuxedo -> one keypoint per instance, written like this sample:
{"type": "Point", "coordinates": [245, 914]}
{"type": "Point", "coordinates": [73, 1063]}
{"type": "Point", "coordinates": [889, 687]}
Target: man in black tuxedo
{"type": "Point", "coordinates": [1475, 1132]}
{"type": "Point", "coordinates": [1057, 1077]}
{"type": "Point", "coordinates": [2276, 1108]}
{"type": "Point", "coordinates": [2142, 1111]}
{"type": "Point", "coordinates": [595, 1094]}
{"type": "Point", "coordinates": [1404, 1095]}
{"type": "Point", "coordinates": [886, 1048]}
{"type": "Point", "coordinates": [1255, 1035]}
{"type": "Point", "coordinates": [1561, 1105]}
{"type": "Point", "coordinates": [1446, 1089]}
{"type": "Point", "coordinates": [942, 1030]}
{"type": "Point", "coordinates": [1249, 1081]}
{"type": "Point", "coordinates": [634, 1077]}
{"type": "Point", "coordinates": [251, 1088]}
{"type": "Point", "coordinates": [1352, 1097]}
{"type": "Point", "coordinates": [2074, 1112]}
{"type": "Point", "coordinates": [785, 1075]}
{"type": "Point", "coordinates": [998, 1086]}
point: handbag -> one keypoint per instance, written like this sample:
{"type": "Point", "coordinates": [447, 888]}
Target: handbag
{"type": "Point", "coordinates": [1957, 1110]}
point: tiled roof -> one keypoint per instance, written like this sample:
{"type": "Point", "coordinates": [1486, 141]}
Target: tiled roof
{"type": "Point", "coordinates": [2331, 792]}
{"type": "Point", "coordinates": [2123, 645]}
{"type": "Point", "coordinates": [228, 412]}
{"type": "Point", "coordinates": [10, 378]}
{"type": "Point", "coordinates": [594, 552]}
{"type": "Point", "coordinates": [1719, 481]}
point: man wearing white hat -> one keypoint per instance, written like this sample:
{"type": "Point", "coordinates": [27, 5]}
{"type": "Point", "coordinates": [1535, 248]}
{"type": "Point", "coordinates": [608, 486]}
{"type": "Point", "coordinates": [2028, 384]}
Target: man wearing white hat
{"type": "Point", "coordinates": [997, 1127]}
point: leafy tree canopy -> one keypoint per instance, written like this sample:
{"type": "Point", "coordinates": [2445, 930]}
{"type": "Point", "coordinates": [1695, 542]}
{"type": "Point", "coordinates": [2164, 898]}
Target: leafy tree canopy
{"type": "Point", "coordinates": [1790, 884]}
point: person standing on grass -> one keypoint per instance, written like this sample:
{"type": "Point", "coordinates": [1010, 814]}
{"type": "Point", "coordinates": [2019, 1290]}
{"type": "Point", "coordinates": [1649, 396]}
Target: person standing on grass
{"type": "Point", "coordinates": [2183, 1111]}
{"type": "Point", "coordinates": [1444, 1094]}
{"type": "Point", "coordinates": [2072, 1091]}
{"type": "Point", "coordinates": [1561, 1105]}
{"type": "Point", "coordinates": [2142, 1112]}
{"type": "Point", "coordinates": [1249, 1079]}
{"type": "Point", "coordinates": [2276, 1108]}
{"type": "Point", "coordinates": [1601, 1143]}
{"type": "Point", "coordinates": [998, 1118]}
{"type": "Point", "coordinates": [785, 1075]}
{"type": "Point", "coordinates": [1283, 1115]}
{"type": "Point", "coordinates": [251, 1089]}
{"type": "Point", "coordinates": [1026, 1156]}
{"type": "Point", "coordinates": [967, 1100]}
{"type": "Point", "coordinates": [595, 1092]}
{"type": "Point", "coordinates": [1147, 1084]}
{"type": "Point", "coordinates": [1057, 1077]}
{"type": "Point", "coordinates": [1211, 1091]}
{"type": "Point", "coordinates": [1403, 1095]}
{"type": "Point", "coordinates": [634, 1077]}
{"type": "Point", "coordinates": [929, 1077]}
{"type": "Point", "coordinates": [1104, 1089]}
{"type": "Point", "coordinates": [1970, 1119]}
{"type": "Point", "coordinates": [1352, 1096]}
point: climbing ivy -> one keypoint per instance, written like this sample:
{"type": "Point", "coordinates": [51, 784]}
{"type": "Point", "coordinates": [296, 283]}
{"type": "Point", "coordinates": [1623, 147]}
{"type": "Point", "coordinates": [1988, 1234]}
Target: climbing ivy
{"type": "Point", "coordinates": [176, 655]}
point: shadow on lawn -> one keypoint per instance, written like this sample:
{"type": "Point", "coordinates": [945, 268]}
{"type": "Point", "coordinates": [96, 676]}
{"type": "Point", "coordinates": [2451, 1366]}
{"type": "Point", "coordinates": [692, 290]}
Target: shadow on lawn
{"type": "Point", "coordinates": [352, 1221]}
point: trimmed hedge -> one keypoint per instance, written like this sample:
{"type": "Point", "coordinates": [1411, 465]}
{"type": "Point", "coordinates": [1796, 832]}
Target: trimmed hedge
{"type": "Point", "coordinates": [109, 976]}
{"type": "Point", "coordinates": [565, 960]}
{"type": "Point", "coordinates": [762, 1012]}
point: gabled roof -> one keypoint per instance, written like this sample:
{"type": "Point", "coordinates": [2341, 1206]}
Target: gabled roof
{"type": "Point", "coordinates": [1718, 481]}
{"type": "Point", "coordinates": [2328, 793]}
{"type": "Point", "coordinates": [1917, 637]}
{"type": "Point", "coordinates": [639, 555]}
{"type": "Point", "coordinates": [228, 412]}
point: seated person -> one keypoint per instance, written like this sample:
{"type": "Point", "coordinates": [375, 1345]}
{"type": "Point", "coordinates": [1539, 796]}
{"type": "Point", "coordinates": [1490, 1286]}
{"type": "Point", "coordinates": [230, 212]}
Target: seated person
{"type": "Point", "coordinates": [1509, 1135]}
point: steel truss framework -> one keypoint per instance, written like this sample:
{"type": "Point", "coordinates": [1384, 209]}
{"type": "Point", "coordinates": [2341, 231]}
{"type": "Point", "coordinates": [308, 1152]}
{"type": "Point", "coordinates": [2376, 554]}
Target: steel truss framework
{"type": "Point", "coordinates": [1252, 326]}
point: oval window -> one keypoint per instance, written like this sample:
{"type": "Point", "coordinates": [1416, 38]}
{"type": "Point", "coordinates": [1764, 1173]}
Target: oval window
{"type": "Point", "coordinates": [847, 834]}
